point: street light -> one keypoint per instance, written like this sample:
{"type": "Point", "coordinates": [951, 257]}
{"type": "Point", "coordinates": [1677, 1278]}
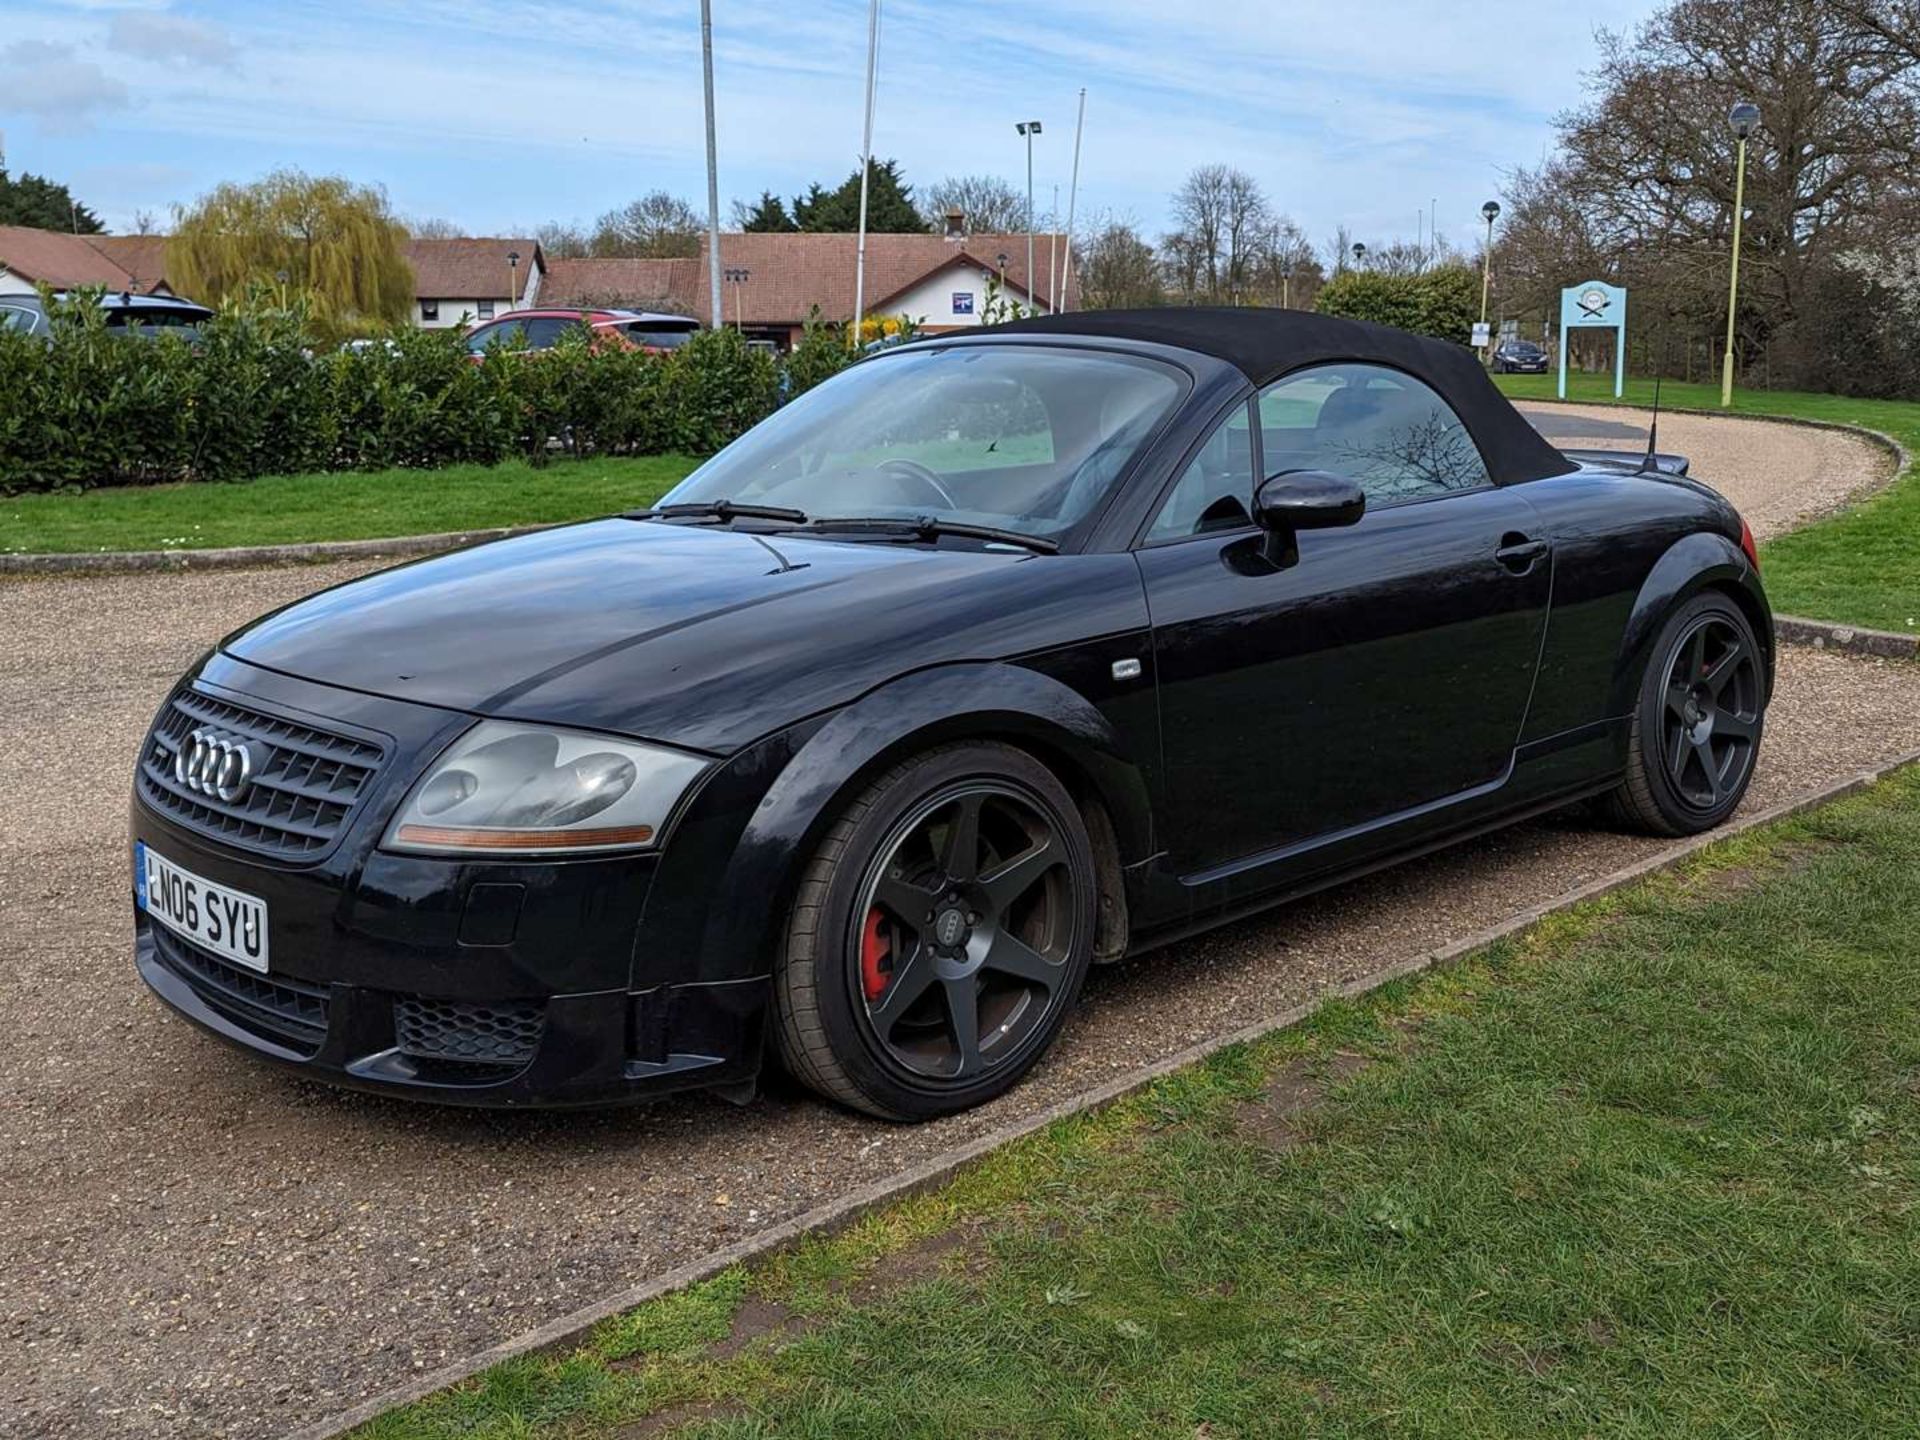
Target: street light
{"type": "Point", "coordinates": [1286, 284]}
{"type": "Point", "coordinates": [513, 279]}
{"type": "Point", "coordinates": [737, 276]}
{"type": "Point", "coordinates": [1744, 119]}
{"type": "Point", "coordinates": [1029, 128]}
{"type": "Point", "coordinates": [1359, 254]}
{"type": "Point", "coordinates": [1491, 212]}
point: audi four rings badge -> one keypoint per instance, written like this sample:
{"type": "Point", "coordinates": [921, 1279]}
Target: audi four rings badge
{"type": "Point", "coordinates": [212, 762]}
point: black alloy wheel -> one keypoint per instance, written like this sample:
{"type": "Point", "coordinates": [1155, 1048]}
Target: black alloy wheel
{"type": "Point", "coordinates": [964, 931]}
{"type": "Point", "coordinates": [1697, 730]}
{"type": "Point", "coordinates": [953, 929]}
{"type": "Point", "coordinates": [1712, 712]}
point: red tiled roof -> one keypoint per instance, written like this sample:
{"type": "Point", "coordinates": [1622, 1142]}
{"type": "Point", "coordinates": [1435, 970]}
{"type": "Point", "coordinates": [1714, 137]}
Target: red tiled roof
{"type": "Point", "coordinates": [678, 284]}
{"type": "Point", "coordinates": [62, 260]}
{"type": "Point", "coordinates": [789, 274]}
{"type": "Point", "coordinates": [144, 257]}
{"type": "Point", "coordinates": [470, 269]}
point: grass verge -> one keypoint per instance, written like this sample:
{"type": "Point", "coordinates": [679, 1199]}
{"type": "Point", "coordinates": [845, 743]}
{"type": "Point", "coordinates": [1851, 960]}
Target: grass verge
{"type": "Point", "coordinates": [288, 509]}
{"type": "Point", "coordinates": [1859, 567]}
{"type": "Point", "coordinates": [1650, 1169]}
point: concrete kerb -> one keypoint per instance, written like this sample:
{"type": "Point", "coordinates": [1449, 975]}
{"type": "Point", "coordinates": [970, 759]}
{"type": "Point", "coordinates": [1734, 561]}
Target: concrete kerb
{"type": "Point", "coordinates": [839, 1214]}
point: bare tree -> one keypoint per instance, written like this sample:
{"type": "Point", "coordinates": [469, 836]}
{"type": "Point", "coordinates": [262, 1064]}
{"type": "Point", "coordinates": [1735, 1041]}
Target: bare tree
{"type": "Point", "coordinates": [1653, 157]}
{"type": "Point", "coordinates": [433, 228]}
{"type": "Point", "coordinates": [1895, 21]}
{"type": "Point", "coordinates": [657, 226]}
{"type": "Point", "coordinates": [1221, 214]}
{"type": "Point", "coordinates": [563, 242]}
{"type": "Point", "coordinates": [991, 206]}
{"type": "Point", "coordinates": [1281, 266]}
{"type": "Point", "coordinates": [1118, 269]}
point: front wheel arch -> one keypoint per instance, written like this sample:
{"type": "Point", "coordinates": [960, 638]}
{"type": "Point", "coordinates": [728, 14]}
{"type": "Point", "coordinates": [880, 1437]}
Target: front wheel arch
{"type": "Point", "coordinates": [837, 759]}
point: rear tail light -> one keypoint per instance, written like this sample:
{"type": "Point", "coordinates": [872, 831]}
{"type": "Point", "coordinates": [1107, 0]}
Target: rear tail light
{"type": "Point", "coordinates": [1747, 545]}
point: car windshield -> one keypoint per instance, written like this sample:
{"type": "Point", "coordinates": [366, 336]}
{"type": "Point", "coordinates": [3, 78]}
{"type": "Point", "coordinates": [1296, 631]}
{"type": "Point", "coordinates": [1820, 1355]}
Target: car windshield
{"type": "Point", "coordinates": [1017, 437]}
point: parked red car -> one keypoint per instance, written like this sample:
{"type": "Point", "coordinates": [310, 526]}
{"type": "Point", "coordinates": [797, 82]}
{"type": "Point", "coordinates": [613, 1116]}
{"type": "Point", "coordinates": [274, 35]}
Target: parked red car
{"type": "Point", "coordinates": [523, 330]}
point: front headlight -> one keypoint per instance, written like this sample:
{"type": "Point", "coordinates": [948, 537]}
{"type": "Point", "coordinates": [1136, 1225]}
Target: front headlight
{"type": "Point", "coordinates": [535, 790]}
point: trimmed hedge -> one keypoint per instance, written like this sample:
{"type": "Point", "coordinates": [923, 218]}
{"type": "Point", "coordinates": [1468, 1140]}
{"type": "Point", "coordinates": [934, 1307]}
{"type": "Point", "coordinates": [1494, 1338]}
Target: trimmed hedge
{"type": "Point", "coordinates": [1442, 302]}
{"type": "Point", "coordinates": [248, 397]}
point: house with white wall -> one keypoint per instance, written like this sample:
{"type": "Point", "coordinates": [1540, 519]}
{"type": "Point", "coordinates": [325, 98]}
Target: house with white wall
{"type": "Point", "coordinates": [468, 280]}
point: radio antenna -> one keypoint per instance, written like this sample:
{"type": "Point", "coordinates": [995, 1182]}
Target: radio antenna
{"type": "Point", "coordinates": [1653, 425]}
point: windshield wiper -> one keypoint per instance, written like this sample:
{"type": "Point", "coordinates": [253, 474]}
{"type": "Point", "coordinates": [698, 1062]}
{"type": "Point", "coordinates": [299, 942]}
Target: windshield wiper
{"type": "Point", "coordinates": [721, 510]}
{"type": "Point", "coordinates": [929, 527]}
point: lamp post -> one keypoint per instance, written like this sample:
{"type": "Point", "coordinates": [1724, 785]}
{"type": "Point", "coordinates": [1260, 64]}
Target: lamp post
{"type": "Point", "coordinates": [1359, 255]}
{"type": "Point", "coordinates": [513, 280]}
{"type": "Point", "coordinates": [1490, 212]}
{"type": "Point", "coordinates": [737, 276]}
{"type": "Point", "coordinates": [1029, 128]}
{"type": "Point", "coordinates": [1744, 119]}
{"type": "Point", "coordinates": [1286, 284]}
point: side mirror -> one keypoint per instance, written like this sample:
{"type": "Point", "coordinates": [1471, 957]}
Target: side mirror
{"type": "Point", "coordinates": [1307, 500]}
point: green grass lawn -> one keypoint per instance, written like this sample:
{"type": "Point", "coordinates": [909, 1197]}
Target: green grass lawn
{"type": "Point", "coordinates": [1861, 566]}
{"type": "Point", "coordinates": [1650, 1170]}
{"type": "Point", "coordinates": [283, 509]}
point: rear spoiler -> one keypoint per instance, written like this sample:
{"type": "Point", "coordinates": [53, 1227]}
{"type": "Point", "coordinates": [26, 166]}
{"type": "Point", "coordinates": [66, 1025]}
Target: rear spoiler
{"type": "Point", "coordinates": [1628, 461]}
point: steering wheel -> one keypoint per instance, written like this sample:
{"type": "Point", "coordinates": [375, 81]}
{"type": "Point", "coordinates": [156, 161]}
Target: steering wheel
{"type": "Point", "coordinates": [903, 469]}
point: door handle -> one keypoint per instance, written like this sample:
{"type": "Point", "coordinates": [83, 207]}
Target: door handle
{"type": "Point", "coordinates": [1518, 553]}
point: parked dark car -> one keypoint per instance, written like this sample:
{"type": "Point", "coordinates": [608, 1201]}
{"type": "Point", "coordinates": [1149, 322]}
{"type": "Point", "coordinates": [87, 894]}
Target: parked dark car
{"type": "Point", "coordinates": [145, 316]}
{"type": "Point", "coordinates": [523, 330]}
{"type": "Point", "coordinates": [1519, 357]}
{"type": "Point", "coordinates": [995, 656]}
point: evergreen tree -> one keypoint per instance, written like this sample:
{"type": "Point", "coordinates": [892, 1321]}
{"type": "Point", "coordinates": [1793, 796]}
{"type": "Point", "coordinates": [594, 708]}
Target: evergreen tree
{"type": "Point", "coordinates": [890, 208]}
{"type": "Point", "coordinates": [44, 204]}
{"type": "Point", "coordinates": [768, 217]}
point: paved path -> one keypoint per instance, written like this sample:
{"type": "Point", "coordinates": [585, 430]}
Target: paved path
{"type": "Point", "coordinates": [1779, 475]}
{"type": "Point", "coordinates": [192, 1244]}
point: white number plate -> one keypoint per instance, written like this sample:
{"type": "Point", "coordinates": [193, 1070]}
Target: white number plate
{"type": "Point", "coordinates": [230, 923]}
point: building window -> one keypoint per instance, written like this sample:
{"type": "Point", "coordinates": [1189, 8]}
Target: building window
{"type": "Point", "coordinates": [486, 309]}
{"type": "Point", "coordinates": [429, 312]}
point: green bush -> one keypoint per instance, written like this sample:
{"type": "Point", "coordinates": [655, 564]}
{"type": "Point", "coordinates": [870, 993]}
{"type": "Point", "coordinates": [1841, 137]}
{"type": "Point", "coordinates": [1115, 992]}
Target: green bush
{"type": "Point", "coordinates": [88, 407]}
{"type": "Point", "coordinates": [821, 354]}
{"type": "Point", "coordinates": [1442, 303]}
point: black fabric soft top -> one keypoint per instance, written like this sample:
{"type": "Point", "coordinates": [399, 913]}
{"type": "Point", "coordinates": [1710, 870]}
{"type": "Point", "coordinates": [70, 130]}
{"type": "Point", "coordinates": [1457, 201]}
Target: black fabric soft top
{"type": "Point", "coordinates": [1264, 344]}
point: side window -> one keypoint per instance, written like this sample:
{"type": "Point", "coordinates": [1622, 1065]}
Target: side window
{"type": "Point", "coordinates": [1215, 492]}
{"type": "Point", "coordinates": [1381, 427]}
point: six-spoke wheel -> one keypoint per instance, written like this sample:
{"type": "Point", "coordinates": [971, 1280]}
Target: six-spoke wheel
{"type": "Point", "coordinates": [940, 934]}
{"type": "Point", "coordinates": [1696, 730]}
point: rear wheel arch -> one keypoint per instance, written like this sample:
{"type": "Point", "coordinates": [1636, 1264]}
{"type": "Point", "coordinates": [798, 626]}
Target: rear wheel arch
{"type": "Point", "coordinates": [1704, 560]}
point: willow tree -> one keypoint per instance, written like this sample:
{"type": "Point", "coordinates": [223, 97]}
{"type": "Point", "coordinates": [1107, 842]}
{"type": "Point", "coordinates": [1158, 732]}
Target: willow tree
{"type": "Point", "coordinates": [318, 238]}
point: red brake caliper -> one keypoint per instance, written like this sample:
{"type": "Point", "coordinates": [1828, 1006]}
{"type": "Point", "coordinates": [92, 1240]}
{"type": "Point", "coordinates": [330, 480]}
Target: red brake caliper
{"type": "Point", "coordinates": [876, 952]}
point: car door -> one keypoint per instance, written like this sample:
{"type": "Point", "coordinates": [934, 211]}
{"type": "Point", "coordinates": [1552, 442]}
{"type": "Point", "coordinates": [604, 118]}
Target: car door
{"type": "Point", "coordinates": [1386, 669]}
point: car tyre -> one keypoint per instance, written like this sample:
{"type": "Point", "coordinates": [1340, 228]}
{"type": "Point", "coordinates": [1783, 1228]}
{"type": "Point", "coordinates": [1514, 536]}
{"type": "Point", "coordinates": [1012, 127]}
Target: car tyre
{"type": "Point", "coordinates": [1697, 723]}
{"type": "Point", "coordinates": [939, 935]}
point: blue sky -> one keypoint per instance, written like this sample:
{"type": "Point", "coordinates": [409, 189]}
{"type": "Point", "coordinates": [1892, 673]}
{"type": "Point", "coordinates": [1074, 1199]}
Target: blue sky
{"type": "Point", "coordinates": [502, 114]}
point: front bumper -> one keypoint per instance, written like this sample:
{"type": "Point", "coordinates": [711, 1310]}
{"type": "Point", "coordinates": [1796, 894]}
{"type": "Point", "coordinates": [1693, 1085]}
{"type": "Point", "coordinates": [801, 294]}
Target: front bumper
{"type": "Point", "coordinates": [501, 983]}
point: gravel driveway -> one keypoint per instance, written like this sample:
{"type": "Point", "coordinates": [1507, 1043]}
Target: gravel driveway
{"type": "Point", "coordinates": [197, 1245]}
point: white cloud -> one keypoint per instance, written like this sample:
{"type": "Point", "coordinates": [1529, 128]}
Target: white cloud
{"type": "Point", "coordinates": [152, 36]}
{"type": "Point", "coordinates": [52, 83]}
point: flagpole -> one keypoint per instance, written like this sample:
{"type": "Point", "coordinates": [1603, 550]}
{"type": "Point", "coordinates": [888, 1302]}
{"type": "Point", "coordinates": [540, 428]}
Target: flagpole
{"type": "Point", "coordinates": [866, 168]}
{"type": "Point", "coordinates": [713, 167]}
{"type": "Point", "coordinates": [1073, 194]}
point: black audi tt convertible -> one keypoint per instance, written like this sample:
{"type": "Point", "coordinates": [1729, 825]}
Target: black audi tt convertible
{"type": "Point", "coordinates": [997, 656]}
